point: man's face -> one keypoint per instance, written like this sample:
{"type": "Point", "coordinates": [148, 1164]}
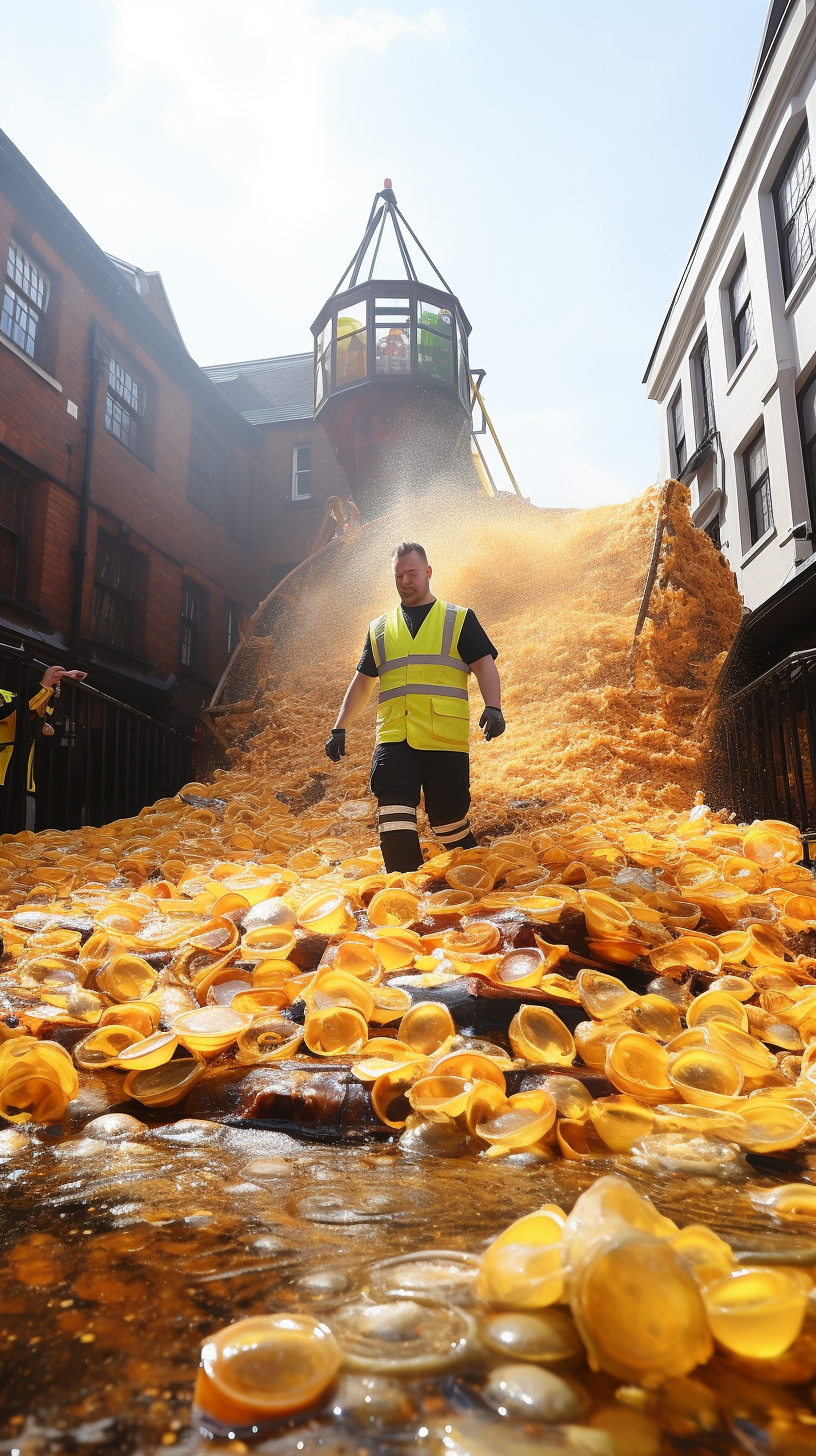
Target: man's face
{"type": "Point", "coordinates": [411, 576]}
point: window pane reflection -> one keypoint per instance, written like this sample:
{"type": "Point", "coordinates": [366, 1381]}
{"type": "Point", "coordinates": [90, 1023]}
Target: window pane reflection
{"type": "Point", "coordinates": [435, 342]}
{"type": "Point", "coordinates": [436, 318]}
{"type": "Point", "coordinates": [394, 348]}
{"type": "Point", "coordinates": [351, 350]}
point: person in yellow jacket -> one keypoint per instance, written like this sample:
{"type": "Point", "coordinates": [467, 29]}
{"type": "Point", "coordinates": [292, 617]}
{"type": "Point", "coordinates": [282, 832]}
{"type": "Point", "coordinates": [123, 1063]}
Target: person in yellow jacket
{"type": "Point", "coordinates": [422, 652]}
{"type": "Point", "coordinates": [38, 706]}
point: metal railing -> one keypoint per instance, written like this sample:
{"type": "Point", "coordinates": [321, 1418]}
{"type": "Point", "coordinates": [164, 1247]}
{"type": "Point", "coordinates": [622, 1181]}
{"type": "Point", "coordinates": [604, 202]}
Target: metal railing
{"type": "Point", "coordinates": [763, 746]}
{"type": "Point", "coordinates": [104, 761]}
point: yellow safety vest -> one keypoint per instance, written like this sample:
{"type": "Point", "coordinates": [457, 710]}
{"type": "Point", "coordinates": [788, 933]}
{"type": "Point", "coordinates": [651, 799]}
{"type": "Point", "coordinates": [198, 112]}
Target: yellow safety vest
{"type": "Point", "coordinates": [8, 732]}
{"type": "Point", "coordinates": [423, 680]}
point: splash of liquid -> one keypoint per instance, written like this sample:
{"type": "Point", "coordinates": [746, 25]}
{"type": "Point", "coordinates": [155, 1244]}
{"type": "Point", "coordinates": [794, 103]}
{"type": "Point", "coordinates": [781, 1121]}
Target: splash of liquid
{"type": "Point", "coordinates": [593, 720]}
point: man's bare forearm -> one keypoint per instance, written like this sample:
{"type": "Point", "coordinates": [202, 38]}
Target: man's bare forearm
{"type": "Point", "coordinates": [358, 694]}
{"type": "Point", "coordinates": [486, 674]}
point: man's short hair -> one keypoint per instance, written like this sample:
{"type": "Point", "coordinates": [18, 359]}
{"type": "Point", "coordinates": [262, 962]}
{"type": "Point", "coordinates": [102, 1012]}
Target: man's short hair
{"type": "Point", "coordinates": [405, 548]}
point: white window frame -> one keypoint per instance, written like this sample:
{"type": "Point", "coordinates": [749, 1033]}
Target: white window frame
{"type": "Point", "coordinates": [678, 465]}
{"type": "Point", "coordinates": [26, 290]}
{"type": "Point", "coordinates": [297, 493]}
{"type": "Point", "coordinates": [125, 398]}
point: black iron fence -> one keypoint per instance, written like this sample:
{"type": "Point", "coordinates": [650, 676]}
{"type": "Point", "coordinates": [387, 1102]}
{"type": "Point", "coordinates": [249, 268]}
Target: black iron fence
{"type": "Point", "coordinates": [104, 760]}
{"type": "Point", "coordinates": [764, 746]}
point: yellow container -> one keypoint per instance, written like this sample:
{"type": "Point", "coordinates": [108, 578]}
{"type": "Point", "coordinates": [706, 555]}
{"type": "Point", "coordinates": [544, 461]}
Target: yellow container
{"type": "Point", "coordinates": [638, 1065]}
{"type": "Point", "coordinates": [447, 904]}
{"type": "Point", "coordinates": [266, 943]}
{"type": "Point", "coordinates": [142, 1016]}
{"type": "Point", "coordinates": [335, 1031]}
{"type": "Point", "coordinates": [357, 957]}
{"type": "Point", "coordinates": [603, 996]}
{"type": "Point", "coordinates": [390, 1003]}
{"type": "Point", "coordinates": [396, 949]}
{"type": "Point", "coordinates": [686, 953]}
{"type": "Point", "coordinates": [104, 1046]}
{"type": "Point", "coordinates": [520, 969]}
{"type": "Point", "coordinates": [325, 913]}
{"type": "Point", "coordinates": [537, 1035]}
{"type": "Point", "coordinates": [126, 978]}
{"type": "Point", "coordinates": [593, 1039]}
{"type": "Point", "coordinates": [620, 1121]}
{"type": "Point", "coordinates": [475, 939]}
{"type": "Point", "coordinates": [717, 1006]}
{"type": "Point", "coordinates": [757, 1313]}
{"type": "Point", "coordinates": [705, 1078]}
{"type": "Point", "coordinates": [472, 1066]}
{"type": "Point", "coordinates": [257, 1002]}
{"type": "Point", "coordinates": [265, 1367]}
{"type": "Point", "coordinates": [603, 915]}
{"type": "Point", "coordinates": [427, 1027]}
{"type": "Point", "coordinates": [522, 1268]}
{"type": "Point", "coordinates": [475, 878]}
{"type": "Point", "coordinates": [210, 1030]}
{"type": "Point", "coordinates": [394, 906]}
{"type": "Point", "coordinates": [268, 1039]}
{"type": "Point", "coordinates": [166, 1085]}
{"type": "Point", "coordinates": [389, 1094]}
{"type": "Point", "coordinates": [154, 1051]}
{"type": "Point", "coordinates": [439, 1097]}
{"type": "Point", "coordinates": [335, 988]}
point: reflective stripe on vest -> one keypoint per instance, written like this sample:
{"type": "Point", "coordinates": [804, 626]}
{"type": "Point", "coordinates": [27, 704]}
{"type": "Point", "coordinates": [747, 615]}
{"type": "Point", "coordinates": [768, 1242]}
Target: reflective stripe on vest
{"type": "Point", "coordinates": [8, 731]}
{"type": "Point", "coordinates": [415, 686]}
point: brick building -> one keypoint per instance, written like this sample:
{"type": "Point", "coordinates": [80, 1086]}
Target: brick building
{"type": "Point", "coordinates": [145, 503]}
{"type": "Point", "coordinates": [299, 467]}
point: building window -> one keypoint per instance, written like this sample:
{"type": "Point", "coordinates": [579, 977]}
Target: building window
{"type": "Point", "coordinates": [232, 613]}
{"type": "Point", "coordinates": [796, 211]}
{"type": "Point", "coordinates": [194, 600]}
{"type": "Point", "coordinates": [203, 479]}
{"type": "Point", "coordinates": [124, 403]}
{"type": "Point", "coordinates": [712, 531]}
{"type": "Point", "coordinates": [25, 300]}
{"type": "Point", "coordinates": [13, 533]}
{"type": "Point", "coordinates": [113, 591]}
{"type": "Point", "coordinates": [807, 418]}
{"type": "Point", "coordinates": [702, 361]}
{"type": "Point", "coordinates": [742, 313]}
{"type": "Point", "coordinates": [301, 472]}
{"type": "Point", "coordinates": [678, 432]}
{"type": "Point", "coordinates": [758, 486]}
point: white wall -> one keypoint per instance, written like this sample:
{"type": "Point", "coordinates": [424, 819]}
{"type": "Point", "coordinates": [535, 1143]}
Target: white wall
{"type": "Point", "coordinates": [761, 392]}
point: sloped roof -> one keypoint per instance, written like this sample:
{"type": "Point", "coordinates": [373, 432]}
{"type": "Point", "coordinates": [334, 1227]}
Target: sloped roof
{"type": "Point", "coordinates": [108, 281]}
{"type": "Point", "coordinates": [268, 391]}
{"type": "Point", "coordinates": [150, 287]}
{"type": "Point", "coordinates": [777, 12]}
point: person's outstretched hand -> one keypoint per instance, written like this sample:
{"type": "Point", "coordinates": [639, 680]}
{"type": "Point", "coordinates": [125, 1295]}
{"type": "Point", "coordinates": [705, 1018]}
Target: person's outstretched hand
{"type": "Point", "coordinates": [336, 745]}
{"type": "Point", "coordinates": [54, 675]}
{"type": "Point", "coordinates": [492, 723]}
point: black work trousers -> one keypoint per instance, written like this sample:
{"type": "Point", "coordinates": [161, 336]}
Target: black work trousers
{"type": "Point", "coordinates": [400, 775]}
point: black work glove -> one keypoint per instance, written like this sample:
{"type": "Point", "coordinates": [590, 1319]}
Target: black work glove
{"type": "Point", "coordinates": [336, 745]}
{"type": "Point", "coordinates": [492, 723]}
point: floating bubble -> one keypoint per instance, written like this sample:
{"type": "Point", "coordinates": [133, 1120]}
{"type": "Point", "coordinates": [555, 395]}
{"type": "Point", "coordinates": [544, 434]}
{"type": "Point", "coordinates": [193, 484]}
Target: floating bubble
{"type": "Point", "coordinates": [401, 1336]}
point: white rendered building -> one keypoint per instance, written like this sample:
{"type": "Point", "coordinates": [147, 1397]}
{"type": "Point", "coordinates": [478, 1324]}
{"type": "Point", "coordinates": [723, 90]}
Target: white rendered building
{"type": "Point", "coordinates": [734, 367]}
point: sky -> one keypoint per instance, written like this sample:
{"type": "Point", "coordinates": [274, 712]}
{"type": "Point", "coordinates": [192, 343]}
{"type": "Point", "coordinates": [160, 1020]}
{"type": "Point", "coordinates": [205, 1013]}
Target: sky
{"type": "Point", "coordinates": [555, 159]}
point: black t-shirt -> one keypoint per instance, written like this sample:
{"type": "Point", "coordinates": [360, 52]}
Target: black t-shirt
{"type": "Point", "coordinates": [473, 640]}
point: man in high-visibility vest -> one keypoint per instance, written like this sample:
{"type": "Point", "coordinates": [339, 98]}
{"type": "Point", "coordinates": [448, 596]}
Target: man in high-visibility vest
{"type": "Point", "coordinates": [38, 706]}
{"type": "Point", "coordinates": [422, 653]}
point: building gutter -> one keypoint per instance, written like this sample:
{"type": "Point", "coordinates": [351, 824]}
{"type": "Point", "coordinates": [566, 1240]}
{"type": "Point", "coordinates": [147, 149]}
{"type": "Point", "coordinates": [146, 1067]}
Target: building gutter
{"type": "Point", "coordinates": [717, 190]}
{"type": "Point", "coordinates": [80, 551]}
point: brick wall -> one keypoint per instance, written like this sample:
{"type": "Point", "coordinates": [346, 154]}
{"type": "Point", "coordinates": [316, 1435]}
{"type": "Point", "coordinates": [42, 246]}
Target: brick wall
{"type": "Point", "coordinates": [140, 501]}
{"type": "Point", "coordinates": [287, 528]}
